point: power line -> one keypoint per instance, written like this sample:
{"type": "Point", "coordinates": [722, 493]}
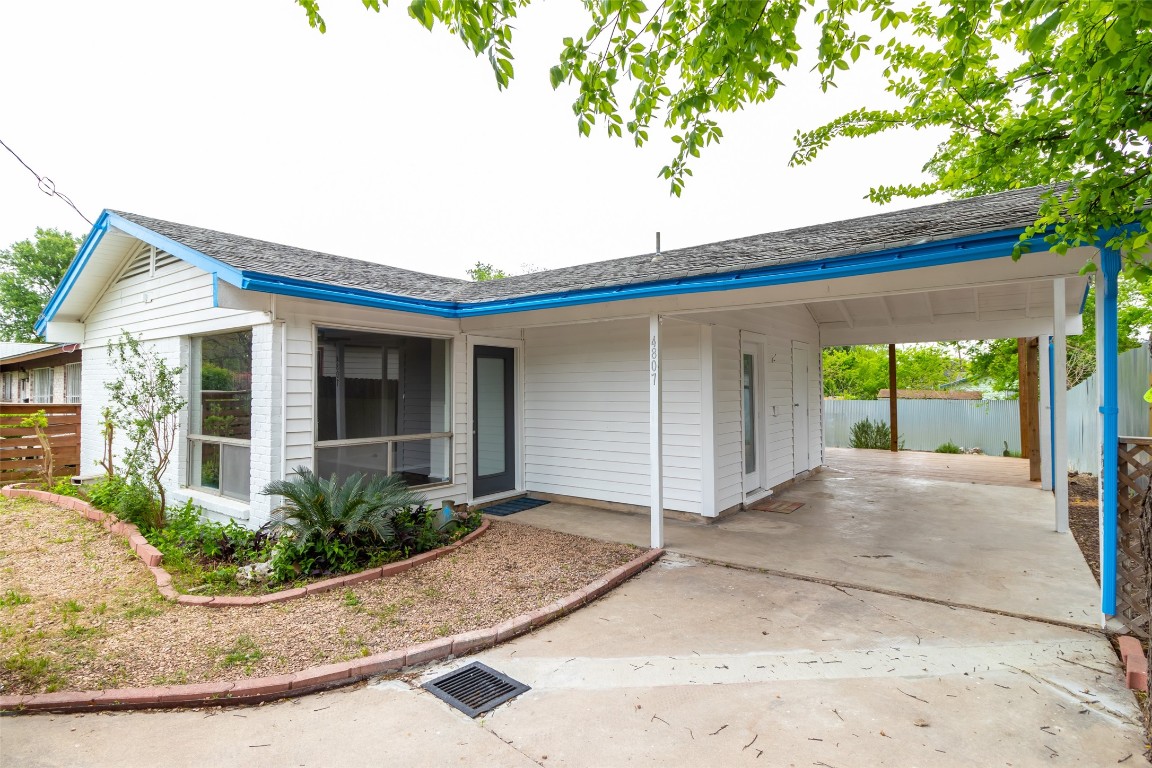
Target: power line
{"type": "Point", "coordinates": [47, 186]}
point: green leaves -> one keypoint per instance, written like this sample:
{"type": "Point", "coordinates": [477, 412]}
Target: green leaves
{"type": "Point", "coordinates": [29, 273]}
{"type": "Point", "coordinates": [1032, 92]}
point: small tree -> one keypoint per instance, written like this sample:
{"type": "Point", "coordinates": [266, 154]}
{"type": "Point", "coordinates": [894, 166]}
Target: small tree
{"type": "Point", "coordinates": [146, 404]}
{"type": "Point", "coordinates": [39, 422]}
{"type": "Point", "coordinates": [108, 432]}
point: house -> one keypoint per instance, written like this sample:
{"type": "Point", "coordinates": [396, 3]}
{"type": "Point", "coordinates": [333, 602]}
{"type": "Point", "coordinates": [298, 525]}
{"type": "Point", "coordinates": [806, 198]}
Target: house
{"type": "Point", "coordinates": [686, 382]}
{"type": "Point", "coordinates": [40, 373]}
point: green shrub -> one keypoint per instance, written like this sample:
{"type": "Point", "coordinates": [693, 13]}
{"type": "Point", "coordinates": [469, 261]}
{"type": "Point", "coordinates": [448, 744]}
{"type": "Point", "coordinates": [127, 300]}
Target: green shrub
{"type": "Point", "coordinates": [188, 534]}
{"type": "Point", "coordinates": [872, 434]}
{"type": "Point", "coordinates": [948, 447]}
{"type": "Point", "coordinates": [138, 505]}
{"type": "Point", "coordinates": [104, 493]}
{"type": "Point", "coordinates": [65, 487]}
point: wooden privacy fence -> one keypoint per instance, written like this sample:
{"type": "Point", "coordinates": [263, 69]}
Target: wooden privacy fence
{"type": "Point", "coordinates": [21, 455]}
{"type": "Point", "coordinates": [1134, 535]}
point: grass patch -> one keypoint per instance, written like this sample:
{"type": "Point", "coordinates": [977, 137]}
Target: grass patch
{"type": "Point", "coordinates": [244, 652]}
{"type": "Point", "coordinates": [11, 598]}
{"type": "Point", "coordinates": [31, 669]}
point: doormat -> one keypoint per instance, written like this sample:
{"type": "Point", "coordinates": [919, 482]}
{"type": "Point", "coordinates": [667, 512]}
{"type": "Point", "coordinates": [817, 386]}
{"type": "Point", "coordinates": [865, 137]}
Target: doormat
{"type": "Point", "coordinates": [505, 508]}
{"type": "Point", "coordinates": [783, 507]}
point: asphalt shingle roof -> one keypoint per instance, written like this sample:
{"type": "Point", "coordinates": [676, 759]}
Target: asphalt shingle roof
{"type": "Point", "coordinates": [924, 224]}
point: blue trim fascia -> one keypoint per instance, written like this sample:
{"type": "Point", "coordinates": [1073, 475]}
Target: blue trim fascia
{"type": "Point", "coordinates": [304, 289]}
{"type": "Point", "coordinates": [72, 273]}
{"type": "Point", "coordinates": [1052, 413]}
{"type": "Point", "coordinates": [972, 248]}
{"type": "Point", "coordinates": [1110, 428]}
{"type": "Point", "coordinates": [931, 254]}
{"type": "Point", "coordinates": [99, 229]}
{"type": "Point", "coordinates": [208, 264]}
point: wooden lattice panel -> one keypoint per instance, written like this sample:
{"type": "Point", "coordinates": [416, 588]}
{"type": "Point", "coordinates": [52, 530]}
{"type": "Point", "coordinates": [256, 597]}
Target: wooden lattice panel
{"type": "Point", "coordinates": [1134, 510]}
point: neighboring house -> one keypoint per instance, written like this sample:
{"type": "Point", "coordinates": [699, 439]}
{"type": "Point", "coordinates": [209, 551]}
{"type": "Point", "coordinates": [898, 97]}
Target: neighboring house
{"type": "Point", "coordinates": [687, 381]}
{"type": "Point", "coordinates": [40, 373]}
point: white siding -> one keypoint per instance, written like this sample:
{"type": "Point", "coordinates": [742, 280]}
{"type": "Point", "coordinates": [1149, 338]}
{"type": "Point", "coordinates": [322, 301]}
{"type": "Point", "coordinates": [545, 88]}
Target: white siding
{"type": "Point", "coordinates": [303, 317]}
{"type": "Point", "coordinates": [164, 309]}
{"type": "Point", "coordinates": [781, 326]}
{"type": "Point", "coordinates": [586, 412]}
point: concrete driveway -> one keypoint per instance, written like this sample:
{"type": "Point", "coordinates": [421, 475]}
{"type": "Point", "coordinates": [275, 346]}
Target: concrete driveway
{"type": "Point", "coordinates": [687, 664]}
{"type": "Point", "coordinates": [990, 546]}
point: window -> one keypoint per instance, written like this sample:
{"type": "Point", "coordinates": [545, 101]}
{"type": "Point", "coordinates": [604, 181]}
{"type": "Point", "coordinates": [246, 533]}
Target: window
{"type": "Point", "coordinates": [8, 387]}
{"type": "Point", "coordinates": [72, 382]}
{"type": "Point", "coordinates": [41, 385]}
{"type": "Point", "coordinates": [221, 414]}
{"type": "Point", "coordinates": [382, 406]}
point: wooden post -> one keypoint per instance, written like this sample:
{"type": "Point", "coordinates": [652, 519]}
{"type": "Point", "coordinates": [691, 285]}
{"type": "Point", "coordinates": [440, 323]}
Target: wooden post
{"type": "Point", "coordinates": [894, 444]}
{"type": "Point", "coordinates": [1033, 455]}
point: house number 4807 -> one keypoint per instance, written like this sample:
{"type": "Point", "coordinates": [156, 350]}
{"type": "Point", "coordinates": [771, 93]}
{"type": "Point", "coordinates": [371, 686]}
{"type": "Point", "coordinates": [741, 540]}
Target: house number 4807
{"type": "Point", "coordinates": [655, 361]}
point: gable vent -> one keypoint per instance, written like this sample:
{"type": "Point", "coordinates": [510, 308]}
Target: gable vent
{"type": "Point", "coordinates": [141, 264]}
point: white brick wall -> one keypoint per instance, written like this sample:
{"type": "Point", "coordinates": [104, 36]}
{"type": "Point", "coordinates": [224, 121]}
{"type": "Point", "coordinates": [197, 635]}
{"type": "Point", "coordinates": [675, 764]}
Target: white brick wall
{"type": "Point", "coordinates": [266, 418]}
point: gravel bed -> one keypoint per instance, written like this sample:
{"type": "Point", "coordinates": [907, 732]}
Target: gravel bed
{"type": "Point", "coordinates": [78, 611]}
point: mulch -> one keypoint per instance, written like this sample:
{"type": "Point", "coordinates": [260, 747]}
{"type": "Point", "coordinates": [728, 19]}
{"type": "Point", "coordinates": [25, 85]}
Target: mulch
{"type": "Point", "coordinates": [79, 611]}
{"type": "Point", "coordinates": [1084, 518]}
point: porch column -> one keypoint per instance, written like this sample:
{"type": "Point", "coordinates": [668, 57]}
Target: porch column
{"type": "Point", "coordinates": [1046, 413]}
{"type": "Point", "coordinates": [1060, 403]}
{"type": "Point", "coordinates": [1106, 363]}
{"type": "Point", "coordinates": [655, 432]}
{"type": "Point", "coordinates": [893, 400]}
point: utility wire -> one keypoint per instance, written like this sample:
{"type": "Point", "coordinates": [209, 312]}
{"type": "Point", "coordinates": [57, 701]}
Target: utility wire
{"type": "Point", "coordinates": [47, 186]}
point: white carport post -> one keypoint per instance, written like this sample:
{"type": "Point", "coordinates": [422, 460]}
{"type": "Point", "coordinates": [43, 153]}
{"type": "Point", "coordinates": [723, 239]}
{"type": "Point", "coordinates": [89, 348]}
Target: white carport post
{"type": "Point", "coordinates": [655, 432]}
{"type": "Point", "coordinates": [1060, 404]}
{"type": "Point", "coordinates": [1045, 346]}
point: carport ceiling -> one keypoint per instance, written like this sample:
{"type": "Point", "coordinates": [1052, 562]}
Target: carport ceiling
{"type": "Point", "coordinates": [990, 311]}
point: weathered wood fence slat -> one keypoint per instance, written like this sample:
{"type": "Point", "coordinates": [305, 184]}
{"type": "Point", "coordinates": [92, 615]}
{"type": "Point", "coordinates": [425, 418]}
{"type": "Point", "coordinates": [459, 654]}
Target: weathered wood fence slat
{"type": "Point", "coordinates": [20, 451]}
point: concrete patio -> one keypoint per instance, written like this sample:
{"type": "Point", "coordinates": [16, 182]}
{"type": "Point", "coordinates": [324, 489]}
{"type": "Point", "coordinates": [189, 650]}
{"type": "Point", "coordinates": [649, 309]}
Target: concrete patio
{"type": "Point", "coordinates": [963, 542]}
{"type": "Point", "coordinates": [688, 664]}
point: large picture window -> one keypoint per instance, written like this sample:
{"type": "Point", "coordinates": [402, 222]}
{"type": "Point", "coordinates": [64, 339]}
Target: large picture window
{"type": "Point", "coordinates": [382, 406]}
{"type": "Point", "coordinates": [221, 414]}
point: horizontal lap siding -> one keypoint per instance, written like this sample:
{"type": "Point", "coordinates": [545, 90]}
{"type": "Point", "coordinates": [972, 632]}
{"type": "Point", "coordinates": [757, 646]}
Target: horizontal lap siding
{"type": "Point", "coordinates": [586, 412]}
{"type": "Point", "coordinates": [780, 326]}
{"type": "Point", "coordinates": [301, 317]}
{"type": "Point", "coordinates": [162, 310]}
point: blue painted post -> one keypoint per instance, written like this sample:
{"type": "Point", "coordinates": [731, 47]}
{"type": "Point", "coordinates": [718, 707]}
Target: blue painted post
{"type": "Point", "coordinates": [1106, 293]}
{"type": "Point", "coordinates": [1051, 414]}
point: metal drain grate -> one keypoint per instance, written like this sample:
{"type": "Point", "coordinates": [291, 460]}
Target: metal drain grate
{"type": "Point", "coordinates": [476, 688]}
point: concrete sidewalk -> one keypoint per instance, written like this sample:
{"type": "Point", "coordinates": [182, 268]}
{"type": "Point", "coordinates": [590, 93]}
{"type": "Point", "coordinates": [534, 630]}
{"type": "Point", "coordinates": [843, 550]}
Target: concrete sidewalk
{"type": "Point", "coordinates": [687, 664]}
{"type": "Point", "coordinates": [981, 545]}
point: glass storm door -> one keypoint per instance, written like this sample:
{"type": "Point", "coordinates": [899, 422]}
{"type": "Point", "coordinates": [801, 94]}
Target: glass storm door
{"type": "Point", "coordinates": [749, 382]}
{"type": "Point", "coordinates": [493, 420]}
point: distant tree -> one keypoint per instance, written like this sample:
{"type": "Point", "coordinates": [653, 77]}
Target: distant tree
{"type": "Point", "coordinates": [996, 360]}
{"type": "Point", "coordinates": [860, 372]}
{"type": "Point", "coordinates": [482, 272]}
{"type": "Point", "coordinates": [29, 274]}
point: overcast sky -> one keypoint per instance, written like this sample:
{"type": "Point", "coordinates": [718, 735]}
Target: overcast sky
{"type": "Point", "coordinates": [381, 141]}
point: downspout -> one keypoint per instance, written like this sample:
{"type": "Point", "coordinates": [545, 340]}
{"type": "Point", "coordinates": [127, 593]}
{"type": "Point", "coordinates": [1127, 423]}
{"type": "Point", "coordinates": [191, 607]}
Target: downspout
{"type": "Point", "coordinates": [283, 326]}
{"type": "Point", "coordinates": [1110, 428]}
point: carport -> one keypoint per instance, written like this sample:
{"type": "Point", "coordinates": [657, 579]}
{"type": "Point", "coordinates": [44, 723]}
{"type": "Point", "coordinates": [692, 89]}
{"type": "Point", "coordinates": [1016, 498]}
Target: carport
{"type": "Point", "coordinates": [957, 542]}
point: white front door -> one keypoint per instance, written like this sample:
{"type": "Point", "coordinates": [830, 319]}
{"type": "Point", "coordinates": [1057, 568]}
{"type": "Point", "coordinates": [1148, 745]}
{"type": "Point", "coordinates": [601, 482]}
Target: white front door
{"type": "Point", "coordinates": [800, 462]}
{"type": "Point", "coordinates": [750, 400]}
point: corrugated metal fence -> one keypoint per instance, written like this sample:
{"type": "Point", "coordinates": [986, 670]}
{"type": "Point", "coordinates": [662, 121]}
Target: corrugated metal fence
{"type": "Point", "coordinates": [926, 424]}
{"type": "Point", "coordinates": [1083, 441]}
{"type": "Point", "coordinates": [989, 424]}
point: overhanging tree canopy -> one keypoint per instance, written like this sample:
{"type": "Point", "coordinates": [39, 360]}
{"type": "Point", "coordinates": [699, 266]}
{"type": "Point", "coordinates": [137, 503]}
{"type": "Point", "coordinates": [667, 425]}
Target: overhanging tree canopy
{"type": "Point", "coordinates": [1033, 92]}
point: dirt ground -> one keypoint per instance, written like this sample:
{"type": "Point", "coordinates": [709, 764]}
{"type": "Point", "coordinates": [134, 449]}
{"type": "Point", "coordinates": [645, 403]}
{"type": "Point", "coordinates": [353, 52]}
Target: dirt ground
{"type": "Point", "coordinates": [79, 611]}
{"type": "Point", "coordinates": [1084, 518]}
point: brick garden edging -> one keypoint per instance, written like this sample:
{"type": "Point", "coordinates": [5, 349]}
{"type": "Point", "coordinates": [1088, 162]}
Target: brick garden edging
{"type": "Point", "coordinates": [1135, 665]}
{"type": "Point", "coordinates": [254, 690]}
{"type": "Point", "coordinates": [152, 557]}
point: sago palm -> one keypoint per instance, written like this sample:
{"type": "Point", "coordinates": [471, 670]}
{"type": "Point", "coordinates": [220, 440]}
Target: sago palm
{"type": "Point", "coordinates": [319, 508]}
